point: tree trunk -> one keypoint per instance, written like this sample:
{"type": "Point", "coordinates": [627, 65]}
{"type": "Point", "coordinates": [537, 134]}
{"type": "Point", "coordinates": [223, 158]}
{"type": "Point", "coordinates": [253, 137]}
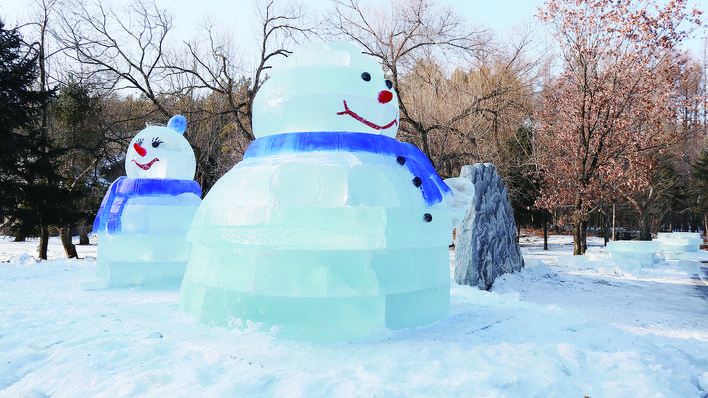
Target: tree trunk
{"type": "Point", "coordinates": [644, 232]}
{"type": "Point", "coordinates": [518, 233]}
{"type": "Point", "coordinates": [43, 242]}
{"type": "Point", "coordinates": [584, 236]}
{"type": "Point", "coordinates": [580, 244]}
{"type": "Point", "coordinates": [705, 225]}
{"type": "Point", "coordinates": [69, 248]}
{"type": "Point", "coordinates": [20, 237]}
{"type": "Point", "coordinates": [545, 232]}
{"type": "Point", "coordinates": [605, 226]}
{"type": "Point", "coordinates": [577, 248]}
{"type": "Point", "coordinates": [614, 217]}
{"type": "Point", "coordinates": [83, 235]}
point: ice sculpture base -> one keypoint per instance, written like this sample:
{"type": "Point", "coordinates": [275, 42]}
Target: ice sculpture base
{"type": "Point", "coordinates": [315, 319]}
{"type": "Point", "coordinates": [317, 295]}
{"type": "Point", "coordinates": [322, 245]}
{"type": "Point", "coordinates": [154, 275]}
{"type": "Point", "coordinates": [140, 260]}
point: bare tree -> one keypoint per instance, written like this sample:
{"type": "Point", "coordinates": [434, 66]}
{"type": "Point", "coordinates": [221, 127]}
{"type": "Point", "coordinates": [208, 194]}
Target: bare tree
{"type": "Point", "coordinates": [469, 115]}
{"type": "Point", "coordinates": [210, 63]}
{"type": "Point", "coordinates": [125, 51]}
{"type": "Point", "coordinates": [614, 106]}
{"type": "Point", "coordinates": [211, 66]}
{"type": "Point", "coordinates": [410, 41]}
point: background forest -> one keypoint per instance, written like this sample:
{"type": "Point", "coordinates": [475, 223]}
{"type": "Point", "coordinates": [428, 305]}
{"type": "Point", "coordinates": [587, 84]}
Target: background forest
{"type": "Point", "coordinates": [600, 124]}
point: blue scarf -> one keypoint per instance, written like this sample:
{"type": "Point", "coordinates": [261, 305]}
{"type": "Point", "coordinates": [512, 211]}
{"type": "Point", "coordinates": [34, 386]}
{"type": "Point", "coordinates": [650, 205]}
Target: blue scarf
{"type": "Point", "coordinates": [124, 188]}
{"type": "Point", "coordinates": [407, 155]}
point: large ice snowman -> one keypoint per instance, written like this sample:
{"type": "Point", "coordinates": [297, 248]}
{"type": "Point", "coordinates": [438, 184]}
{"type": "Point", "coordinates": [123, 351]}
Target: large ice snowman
{"type": "Point", "coordinates": [144, 217]}
{"type": "Point", "coordinates": [329, 229]}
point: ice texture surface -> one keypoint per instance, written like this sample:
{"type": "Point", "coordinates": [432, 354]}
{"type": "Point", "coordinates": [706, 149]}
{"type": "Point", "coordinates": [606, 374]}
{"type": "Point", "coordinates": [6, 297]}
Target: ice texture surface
{"type": "Point", "coordinates": [143, 220]}
{"type": "Point", "coordinates": [329, 229]}
{"type": "Point", "coordinates": [485, 242]}
{"type": "Point", "coordinates": [459, 202]}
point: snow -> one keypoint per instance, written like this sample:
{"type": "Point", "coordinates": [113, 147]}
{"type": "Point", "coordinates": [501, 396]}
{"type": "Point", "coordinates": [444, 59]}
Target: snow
{"type": "Point", "coordinates": [555, 329]}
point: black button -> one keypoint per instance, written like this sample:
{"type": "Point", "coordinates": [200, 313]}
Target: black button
{"type": "Point", "coordinates": [401, 160]}
{"type": "Point", "coordinates": [417, 182]}
{"type": "Point", "coordinates": [427, 217]}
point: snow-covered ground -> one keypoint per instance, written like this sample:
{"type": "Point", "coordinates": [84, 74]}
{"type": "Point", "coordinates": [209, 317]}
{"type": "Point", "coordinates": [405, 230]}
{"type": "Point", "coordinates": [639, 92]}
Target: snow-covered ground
{"type": "Point", "coordinates": [553, 330]}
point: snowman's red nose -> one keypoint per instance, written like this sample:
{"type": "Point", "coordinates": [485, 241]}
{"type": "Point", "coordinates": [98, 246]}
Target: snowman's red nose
{"type": "Point", "coordinates": [385, 96]}
{"type": "Point", "coordinates": [140, 150]}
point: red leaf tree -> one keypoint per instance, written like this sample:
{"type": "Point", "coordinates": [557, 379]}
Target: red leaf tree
{"type": "Point", "coordinates": [614, 103]}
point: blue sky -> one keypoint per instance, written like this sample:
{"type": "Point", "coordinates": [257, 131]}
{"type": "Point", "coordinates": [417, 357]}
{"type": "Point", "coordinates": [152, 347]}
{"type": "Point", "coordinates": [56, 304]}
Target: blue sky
{"type": "Point", "coordinates": [496, 15]}
{"type": "Point", "coordinates": [501, 16]}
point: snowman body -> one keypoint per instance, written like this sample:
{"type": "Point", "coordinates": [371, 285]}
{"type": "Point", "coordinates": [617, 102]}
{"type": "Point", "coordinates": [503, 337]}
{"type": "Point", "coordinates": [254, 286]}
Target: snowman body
{"type": "Point", "coordinates": [144, 217]}
{"type": "Point", "coordinates": [329, 229]}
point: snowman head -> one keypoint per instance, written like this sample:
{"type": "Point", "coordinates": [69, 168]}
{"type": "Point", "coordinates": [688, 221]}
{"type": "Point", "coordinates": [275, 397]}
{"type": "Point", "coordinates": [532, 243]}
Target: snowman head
{"type": "Point", "coordinates": [326, 87]}
{"type": "Point", "coordinates": [161, 152]}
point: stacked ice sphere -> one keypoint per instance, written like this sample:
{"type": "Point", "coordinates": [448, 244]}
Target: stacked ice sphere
{"type": "Point", "coordinates": [329, 229]}
{"type": "Point", "coordinates": [144, 217]}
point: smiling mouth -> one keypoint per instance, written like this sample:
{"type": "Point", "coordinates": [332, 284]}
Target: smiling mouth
{"type": "Point", "coordinates": [353, 114]}
{"type": "Point", "coordinates": [146, 165]}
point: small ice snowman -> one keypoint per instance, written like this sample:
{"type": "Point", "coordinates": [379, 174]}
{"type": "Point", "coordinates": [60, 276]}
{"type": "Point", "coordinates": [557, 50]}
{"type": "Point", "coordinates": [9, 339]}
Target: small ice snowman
{"type": "Point", "coordinates": [329, 229]}
{"type": "Point", "coordinates": [144, 217]}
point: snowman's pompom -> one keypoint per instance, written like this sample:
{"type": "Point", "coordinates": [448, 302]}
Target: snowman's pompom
{"type": "Point", "coordinates": [178, 123]}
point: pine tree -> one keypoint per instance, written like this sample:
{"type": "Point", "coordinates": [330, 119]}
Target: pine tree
{"type": "Point", "coordinates": [19, 104]}
{"type": "Point", "coordinates": [700, 177]}
{"type": "Point", "coordinates": [76, 127]}
{"type": "Point", "coordinates": [32, 193]}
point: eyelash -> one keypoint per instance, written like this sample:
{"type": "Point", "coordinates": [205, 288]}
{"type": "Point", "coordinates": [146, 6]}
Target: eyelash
{"type": "Point", "coordinates": [156, 142]}
{"type": "Point", "coordinates": [139, 141]}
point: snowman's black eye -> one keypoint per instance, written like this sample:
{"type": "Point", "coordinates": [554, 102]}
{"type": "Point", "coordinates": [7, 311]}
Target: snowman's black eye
{"type": "Point", "coordinates": [389, 84]}
{"type": "Point", "coordinates": [156, 142]}
{"type": "Point", "coordinates": [139, 141]}
{"type": "Point", "coordinates": [366, 76]}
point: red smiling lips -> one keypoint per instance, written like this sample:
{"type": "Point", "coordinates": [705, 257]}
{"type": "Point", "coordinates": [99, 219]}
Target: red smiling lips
{"type": "Point", "coordinates": [146, 165]}
{"type": "Point", "coordinates": [353, 114]}
{"type": "Point", "coordinates": [142, 152]}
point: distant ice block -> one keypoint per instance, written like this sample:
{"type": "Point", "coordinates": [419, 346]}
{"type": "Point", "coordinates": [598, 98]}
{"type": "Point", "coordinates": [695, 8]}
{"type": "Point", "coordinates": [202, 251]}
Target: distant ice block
{"type": "Point", "coordinates": [643, 252]}
{"type": "Point", "coordinates": [596, 253]}
{"type": "Point", "coordinates": [677, 242]}
{"type": "Point", "coordinates": [329, 229]}
{"type": "Point", "coordinates": [144, 217]}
